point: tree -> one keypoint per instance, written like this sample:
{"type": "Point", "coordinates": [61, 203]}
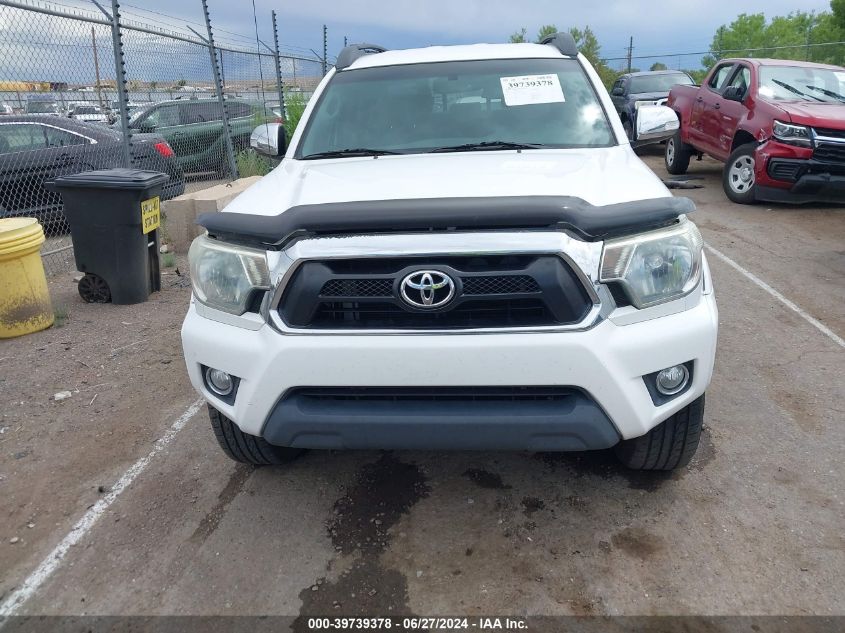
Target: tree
{"type": "Point", "coordinates": [659, 66]}
{"type": "Point", "coordinates": [545, 31]}
{"type": "Point", "coordinates": [519, 36]}
{"type": "Point", "coordinates": [838, 9]}
{"type": "Point", "coordinates": [588, 45]}
{"type": "Point", "coordinates": [785, 37]}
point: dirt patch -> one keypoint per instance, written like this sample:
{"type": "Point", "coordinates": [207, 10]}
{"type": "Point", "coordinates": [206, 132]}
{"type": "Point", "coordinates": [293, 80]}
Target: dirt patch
{"type": "Point", "coordinates": [604, 465]}
{"type": "Point", "coordinates": [123, 368]}
{"type": "Point", "coordinates": [486, 479]}
{"type": "Point", "coordinates": [233, 487]}
{"type": "Point", "coordinates": [26, 312]}
{"type": "Point", "coordinates": [384, 492]}
{"type": "Point", "coordinates": [638, 543]}
{"type": "Point", "coordinates": [530, 505]}
{"type": "Point", "coordinates": [366, 589]}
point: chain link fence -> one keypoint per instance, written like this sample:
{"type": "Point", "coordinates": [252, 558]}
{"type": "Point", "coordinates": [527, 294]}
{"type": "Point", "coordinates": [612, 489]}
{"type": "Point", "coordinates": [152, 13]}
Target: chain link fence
{"type": "Point", "coordinates": [61, 109]}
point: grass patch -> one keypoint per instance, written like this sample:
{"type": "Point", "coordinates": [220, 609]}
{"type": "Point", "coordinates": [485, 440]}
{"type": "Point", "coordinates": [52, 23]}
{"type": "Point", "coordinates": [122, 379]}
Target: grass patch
{"type": "Point", "coordinates": [251, 163]}
{"type": "Point", "coordinates": [59, 315]}
{"type": "Point", "coordinates": [168, 260]}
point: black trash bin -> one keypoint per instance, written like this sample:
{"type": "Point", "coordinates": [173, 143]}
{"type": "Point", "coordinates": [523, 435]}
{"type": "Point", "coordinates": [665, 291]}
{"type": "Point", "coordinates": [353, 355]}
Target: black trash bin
{"type": "Point", "coordinates": [114, 217]}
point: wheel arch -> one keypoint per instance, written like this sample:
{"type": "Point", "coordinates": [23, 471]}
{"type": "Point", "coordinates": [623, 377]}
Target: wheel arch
{"type": "Point", "coordinates": [741, 137]}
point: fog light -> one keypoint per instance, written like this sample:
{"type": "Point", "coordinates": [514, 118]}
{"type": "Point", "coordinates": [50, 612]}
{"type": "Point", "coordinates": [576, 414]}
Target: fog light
{"type": "Point", "coordinates": [672, 380]}
{"type": "Point", "coordinates": [219, 381]}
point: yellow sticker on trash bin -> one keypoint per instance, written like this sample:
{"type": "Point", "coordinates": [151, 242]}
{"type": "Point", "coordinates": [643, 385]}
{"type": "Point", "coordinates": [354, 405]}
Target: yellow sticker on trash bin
{"type": "Point", "coordinates": [150, 214]}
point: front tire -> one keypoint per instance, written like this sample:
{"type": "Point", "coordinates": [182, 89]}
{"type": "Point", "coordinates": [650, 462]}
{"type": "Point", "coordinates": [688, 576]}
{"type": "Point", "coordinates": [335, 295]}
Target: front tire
{"type": "Point", "coordinates": [677, 155]}
{"type": "Point", "coordinates": [669, 445]}
{"type": "Point", "coordinates": [738, 177]}
{"type": "Point", "coordinates": [245, 448]}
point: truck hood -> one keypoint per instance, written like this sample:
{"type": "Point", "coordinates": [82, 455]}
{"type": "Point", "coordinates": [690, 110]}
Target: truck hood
{"type": "Point", "coordinates": [829, 115]}
{"type": "Point", "coordinates": [599, 176]}
{"type": "Point", "coordinates": [648, 96]}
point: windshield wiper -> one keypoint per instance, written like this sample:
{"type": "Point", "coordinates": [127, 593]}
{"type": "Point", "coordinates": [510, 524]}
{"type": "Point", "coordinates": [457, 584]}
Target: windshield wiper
{"type": "Point", "coordinates": [485, 145]}
{"type": "Point", "coordinates": [343, 153]}
{"type": "Point", "coordinates": [827, 93]}
{"type": "Point", "coordinates": [794, 90]}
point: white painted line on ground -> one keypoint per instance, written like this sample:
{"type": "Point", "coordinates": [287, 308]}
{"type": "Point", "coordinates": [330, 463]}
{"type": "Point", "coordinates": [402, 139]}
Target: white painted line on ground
{"type": "Point", "coordinates": [821, 327]}
{"type": "Point", "coordinates": [37, 578]}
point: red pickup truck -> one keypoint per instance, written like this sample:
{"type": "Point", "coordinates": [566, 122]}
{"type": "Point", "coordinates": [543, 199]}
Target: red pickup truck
{"type": "Point", "coordinates": [778, 125]}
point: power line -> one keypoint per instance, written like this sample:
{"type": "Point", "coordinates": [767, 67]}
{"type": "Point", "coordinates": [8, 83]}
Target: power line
{"type": "Point", "coordinates": [725, 50]}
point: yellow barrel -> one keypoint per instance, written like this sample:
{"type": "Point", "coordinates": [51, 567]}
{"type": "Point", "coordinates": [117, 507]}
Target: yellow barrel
{"type": "Point", "coordinates": [24, 297]}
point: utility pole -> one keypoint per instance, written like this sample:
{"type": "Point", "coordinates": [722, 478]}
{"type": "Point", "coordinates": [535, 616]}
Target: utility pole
{"type": "Point", "coordinates": [810, 25]}
{"type": "Point", "coordinates": [630, 52]}
{"type": "Point", "coordinates": [325, 49]}
{"type": "Point", "coordinates": [278, 61]}
{"type": "Point", "coordinates": [97, 67]}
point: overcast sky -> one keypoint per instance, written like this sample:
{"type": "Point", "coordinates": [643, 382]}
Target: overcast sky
{"type": "Point", "coordinates": [658, 26]}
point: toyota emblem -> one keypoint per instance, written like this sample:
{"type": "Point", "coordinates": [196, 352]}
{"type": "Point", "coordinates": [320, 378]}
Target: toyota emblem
{"type": "Point", "coordinates": [427, 289]}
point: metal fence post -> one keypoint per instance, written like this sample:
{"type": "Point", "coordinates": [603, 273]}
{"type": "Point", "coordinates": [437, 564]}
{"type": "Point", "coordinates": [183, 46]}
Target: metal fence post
{"type": "Point", "coordinates": [278, 69]}
{"type": "Point", "coordinates": [218, 83]}
{"type": "Point", "coordinates": [120, 79]}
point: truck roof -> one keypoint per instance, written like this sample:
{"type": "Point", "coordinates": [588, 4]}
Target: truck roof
{"type": "Point", "coordinates": [763, 61]}
{"type": "Point", "coordinates": [641, 73]}
{"type": "Point", "coordinates": [456, 53]}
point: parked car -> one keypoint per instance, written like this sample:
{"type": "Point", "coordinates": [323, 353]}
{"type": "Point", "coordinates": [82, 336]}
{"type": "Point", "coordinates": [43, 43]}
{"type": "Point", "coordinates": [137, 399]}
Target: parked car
{"type": "Point", "coordinates": [194, 129]}
{"type": "Point", "coordinates": [5, 108]}
{"type": "Point", "coordinates": [43, 105]}
{"type": "Point", "coordinates": [88, 113]}
{"type": "Point", "coordinates": [778, 125]}
{"type": "Point", "coordinates": [37, 148]}
{"type": "Point", "coordinates": [633, 90]}
{"type": "Point", "coordinates": [478, 286]}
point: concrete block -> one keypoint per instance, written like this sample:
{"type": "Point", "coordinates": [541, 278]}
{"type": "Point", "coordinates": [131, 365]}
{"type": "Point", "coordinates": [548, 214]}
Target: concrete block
{"type": "Point", "coordinates": [180, 213]}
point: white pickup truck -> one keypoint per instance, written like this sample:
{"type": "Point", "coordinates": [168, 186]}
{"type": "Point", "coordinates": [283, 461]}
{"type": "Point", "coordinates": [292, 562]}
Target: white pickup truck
{"type": "Point", "coordinates": [458, 251]}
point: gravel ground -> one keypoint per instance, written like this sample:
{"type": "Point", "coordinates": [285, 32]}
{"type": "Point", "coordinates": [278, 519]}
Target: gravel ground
{"type": "Point", "coordinates": [752, 526]}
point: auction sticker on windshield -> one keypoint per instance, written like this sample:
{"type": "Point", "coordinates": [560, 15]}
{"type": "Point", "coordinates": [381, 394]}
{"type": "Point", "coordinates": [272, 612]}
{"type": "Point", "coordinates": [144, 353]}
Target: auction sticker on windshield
{"type": "Point", "coordinates": [150, 214]}
{"type": "Point", "coordinates": [531, 89]}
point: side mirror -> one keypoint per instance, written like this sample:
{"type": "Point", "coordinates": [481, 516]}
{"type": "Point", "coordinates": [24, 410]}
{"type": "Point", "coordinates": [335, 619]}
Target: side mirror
{"type": "Point", "coordinates": [734, 93]}
{"type": "Point", "coordinates": [655, 123]}
{"type": "Point", "coordinates": [269, 139]}
{"type": "Point", "coordinates": [618, 91]}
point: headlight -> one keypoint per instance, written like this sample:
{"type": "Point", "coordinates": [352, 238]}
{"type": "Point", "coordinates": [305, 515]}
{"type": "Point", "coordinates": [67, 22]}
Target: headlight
{"type": "Point", "coordinates": [655, 267]}
{"type": "Point", "coordinates": [791, 134]}
{"type": "Point", "coordinates": [224, 276]}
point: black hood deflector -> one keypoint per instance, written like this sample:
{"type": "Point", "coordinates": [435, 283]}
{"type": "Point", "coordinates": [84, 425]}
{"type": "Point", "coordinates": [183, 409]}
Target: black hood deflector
{"type": "Point", "coordinates": [335, 219]}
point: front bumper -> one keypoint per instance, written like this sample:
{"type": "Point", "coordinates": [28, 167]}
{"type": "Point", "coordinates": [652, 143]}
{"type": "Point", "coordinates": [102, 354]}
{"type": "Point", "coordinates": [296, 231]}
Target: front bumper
{"type": "Point", "coordinates": [605, 363]}
{"type": "Point", "coordinates": [786, 173]}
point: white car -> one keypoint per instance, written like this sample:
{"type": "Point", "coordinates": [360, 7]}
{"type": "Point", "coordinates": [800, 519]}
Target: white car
{"type": "Point", "coordinates": [88, 113]}
{"type": "Point", "coordinates": [426, 270]}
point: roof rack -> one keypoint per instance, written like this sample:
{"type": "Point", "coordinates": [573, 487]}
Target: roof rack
{"type": "Point", "coordinates": [352, 52]}
{"type": "Point", "coordinates": [563, 42]}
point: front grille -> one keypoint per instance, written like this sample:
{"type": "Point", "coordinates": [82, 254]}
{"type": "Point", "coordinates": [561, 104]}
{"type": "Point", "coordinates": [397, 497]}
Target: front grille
{"type": "Point", "coordinates": [470, 314]}
{"type": "Point", "coordinates": [418, 394]}
{"type": "Point", "coordinates": [830, 132]}
{"type": "Point", "coordinates": [493, 285]}
{"type": "Point", "coordinates": [357, 288]}
{"type": "Point", "coordinates": [830, 152]}
{"type": "Point", "coordinates": [499, 285]}
{"type": "Point", "coordinates": [489, 292]}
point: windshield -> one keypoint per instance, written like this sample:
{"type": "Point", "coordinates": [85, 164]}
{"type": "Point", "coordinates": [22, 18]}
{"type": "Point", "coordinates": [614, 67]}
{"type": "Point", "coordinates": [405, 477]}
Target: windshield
{"type": "Point", "coordinates": [798, 83]}
{"type": "Point", "coordinates": [424, 107]}
{"type": "Point", "coordinates": [86, 110]}
{"type": "Point", "coordinates": [41, 107]}
{"type": "Point", "coordinates": [658, 83]}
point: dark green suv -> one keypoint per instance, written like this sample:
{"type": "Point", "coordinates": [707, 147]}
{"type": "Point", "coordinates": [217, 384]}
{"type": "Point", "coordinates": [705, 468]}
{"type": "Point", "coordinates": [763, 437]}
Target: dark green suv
{"type": "Point", "coordinates": [194, 129]}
